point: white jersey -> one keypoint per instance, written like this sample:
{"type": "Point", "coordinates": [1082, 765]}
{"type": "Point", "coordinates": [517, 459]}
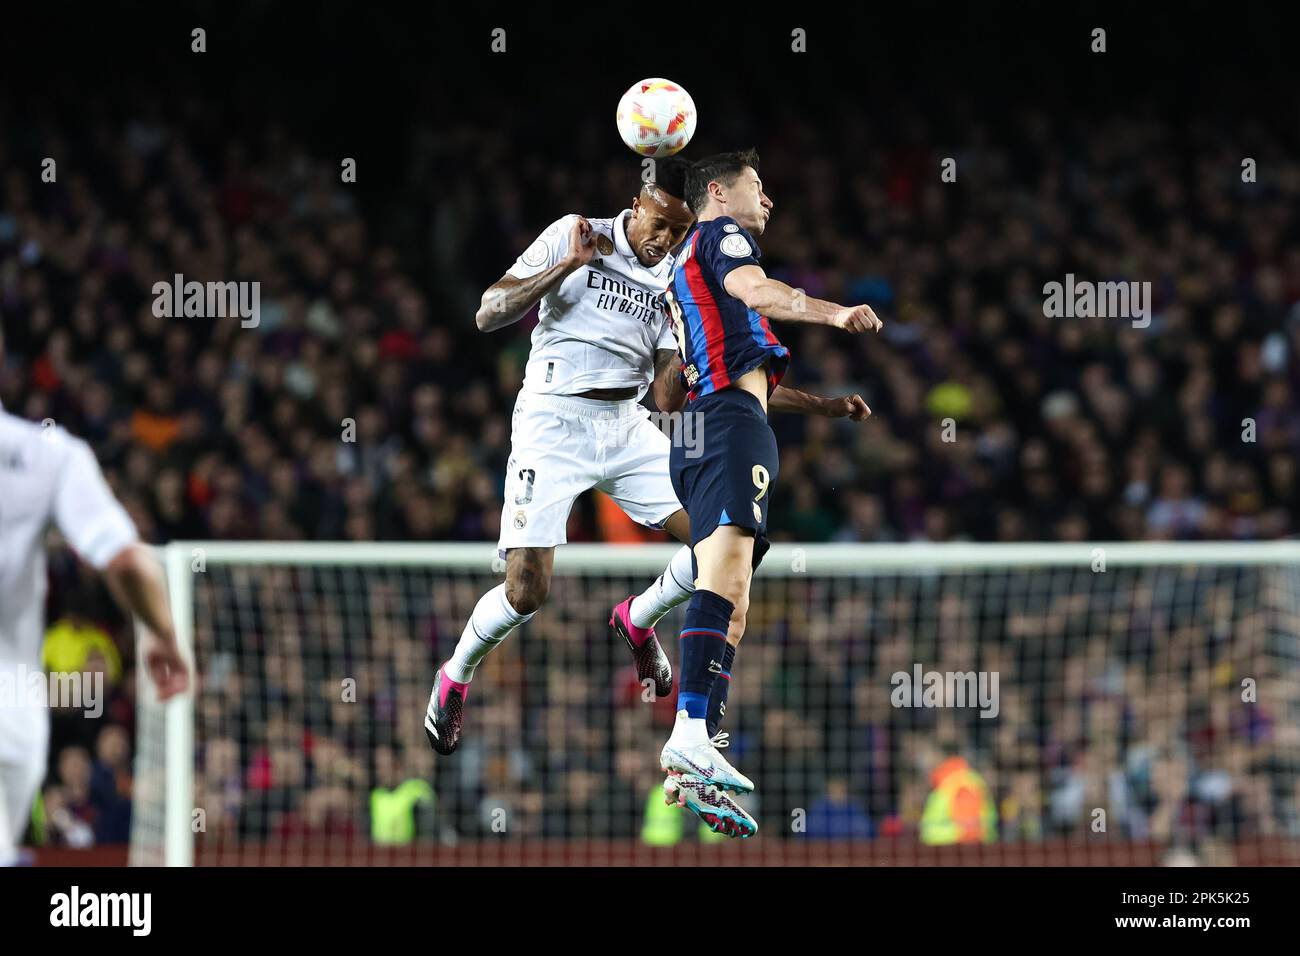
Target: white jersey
{"type": "Point", "coordinates": [601, 326]}
{"type": "Point", "coordinates": [47, 477]}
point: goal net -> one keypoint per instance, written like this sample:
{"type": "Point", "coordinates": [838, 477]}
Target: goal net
{"type": "Point", "coordinates": [1120, 704]}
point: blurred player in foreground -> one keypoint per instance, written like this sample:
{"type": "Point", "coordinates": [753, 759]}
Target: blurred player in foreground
{"type": "Point", "coordinates": [721, 301]}
{"type": "Point", "coordinates": [49, 477]}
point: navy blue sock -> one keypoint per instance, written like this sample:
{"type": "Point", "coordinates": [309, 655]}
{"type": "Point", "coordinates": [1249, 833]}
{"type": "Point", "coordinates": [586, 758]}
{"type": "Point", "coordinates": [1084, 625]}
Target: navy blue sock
{"type": "Point", "coordinates": [703, 645]}
{"type": "Point", "coordinates": [718, 696]}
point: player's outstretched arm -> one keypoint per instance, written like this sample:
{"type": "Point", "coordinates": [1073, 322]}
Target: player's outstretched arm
{"type": "Point", "coordinates": [136, 580]}
{"type": "Point", "coordinates": [508, 299]}
{"type": "Point", "coordinates": [778, 301]}
{"type": "Point", "coordinates": [803, 403]}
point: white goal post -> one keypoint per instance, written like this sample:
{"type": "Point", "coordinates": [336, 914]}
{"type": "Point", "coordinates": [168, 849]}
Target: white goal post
{"type": "Point", "coordinates": [267, 620]}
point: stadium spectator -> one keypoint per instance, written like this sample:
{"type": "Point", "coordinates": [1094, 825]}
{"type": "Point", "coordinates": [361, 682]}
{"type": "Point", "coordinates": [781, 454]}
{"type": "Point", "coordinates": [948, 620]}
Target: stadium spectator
{"type": "Point", "coordinates": [959, 808]}
{"type": "Point", "coordinates": [835, 815]}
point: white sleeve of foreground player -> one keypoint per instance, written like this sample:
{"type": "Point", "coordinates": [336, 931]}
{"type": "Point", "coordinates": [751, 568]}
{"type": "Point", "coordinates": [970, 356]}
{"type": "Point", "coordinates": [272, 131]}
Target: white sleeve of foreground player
{"type": "Point", "coordinates": [85, 510]}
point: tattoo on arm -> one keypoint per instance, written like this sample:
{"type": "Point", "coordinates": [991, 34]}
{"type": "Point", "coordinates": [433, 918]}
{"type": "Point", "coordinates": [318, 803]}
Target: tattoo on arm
{"type": "Point", "coordinates": [670, 394]}
{"type": "Point", "coordinates": [509, 299]}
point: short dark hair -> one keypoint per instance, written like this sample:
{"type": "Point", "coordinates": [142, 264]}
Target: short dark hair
{"type": "Point", "coordinates": [670, 176]}
{"type": "Point", "coordinates": [720, 167]}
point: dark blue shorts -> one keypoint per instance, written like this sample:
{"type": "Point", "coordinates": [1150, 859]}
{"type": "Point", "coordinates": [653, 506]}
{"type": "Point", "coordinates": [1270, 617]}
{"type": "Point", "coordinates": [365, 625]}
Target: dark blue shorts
{"type": "Point", "coordinates": [726, 472]}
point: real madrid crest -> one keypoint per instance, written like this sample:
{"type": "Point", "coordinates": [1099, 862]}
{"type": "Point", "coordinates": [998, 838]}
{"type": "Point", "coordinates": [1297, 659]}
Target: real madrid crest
{"type": "Point", "coordinates": [521, 519]}
{"type": "Point", "coordinates": [536, 254]}
{"type": "Point", "coordinates": [604, 245]}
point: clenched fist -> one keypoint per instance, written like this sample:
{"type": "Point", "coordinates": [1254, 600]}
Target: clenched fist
{"type": "Point", "coordinates": [857, 318]}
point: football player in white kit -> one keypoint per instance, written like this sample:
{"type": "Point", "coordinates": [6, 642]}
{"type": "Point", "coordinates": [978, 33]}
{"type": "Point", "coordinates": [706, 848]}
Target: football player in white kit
{"type": "Point", "coordinates": [602, 339]}
{"type": "Point", "coordinates": [49, 477]}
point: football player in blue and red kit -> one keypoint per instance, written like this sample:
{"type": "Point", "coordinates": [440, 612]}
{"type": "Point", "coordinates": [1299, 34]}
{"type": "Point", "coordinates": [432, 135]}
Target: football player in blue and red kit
{"type": "Point", "coordinates": [721, 304]}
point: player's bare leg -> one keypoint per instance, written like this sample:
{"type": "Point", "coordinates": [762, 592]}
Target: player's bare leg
{"type": "Point", "coordinates": [500, 611]}
{"type": "Point", "coordinates": [634, 619]}
{"type": "Point", "coordinates": [679, 526]}
{"type": "Point", "coordinates": [528, 578]}
{"type": "Point", "coordinates": [725, 560]}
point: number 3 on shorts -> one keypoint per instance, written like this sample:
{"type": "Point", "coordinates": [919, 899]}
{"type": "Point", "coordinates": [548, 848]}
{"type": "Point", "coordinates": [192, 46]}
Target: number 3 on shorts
{"type": "Point", "coordinates": [527, 476]}
{"type": "Point", "coordinates": [761, 479]}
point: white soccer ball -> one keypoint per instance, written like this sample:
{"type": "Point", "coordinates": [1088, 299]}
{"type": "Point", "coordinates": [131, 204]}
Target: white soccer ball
{"type": "Point", "coordinates": [656, 117]}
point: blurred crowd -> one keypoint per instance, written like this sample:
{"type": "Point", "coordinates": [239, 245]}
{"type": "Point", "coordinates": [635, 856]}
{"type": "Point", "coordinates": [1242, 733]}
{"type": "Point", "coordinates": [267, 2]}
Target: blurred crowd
{"type": "Point", "coordinates": [365, 406]}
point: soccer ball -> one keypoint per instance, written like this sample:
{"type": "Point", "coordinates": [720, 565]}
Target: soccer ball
{"type": "Point", "coordinates": [656, 117]}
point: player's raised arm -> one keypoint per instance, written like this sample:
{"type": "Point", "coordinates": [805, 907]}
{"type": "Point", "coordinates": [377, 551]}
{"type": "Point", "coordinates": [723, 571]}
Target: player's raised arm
{"type": "Point", "coordinates": [776, 300]}
{"type": "Point", "coordinates": [804, 403]}
{"type": "Point", "coordinates": [568, 244]}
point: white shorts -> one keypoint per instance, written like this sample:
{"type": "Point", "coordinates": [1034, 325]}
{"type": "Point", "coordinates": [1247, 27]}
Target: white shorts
{"type": "Point", "coordinates": [560, 446]}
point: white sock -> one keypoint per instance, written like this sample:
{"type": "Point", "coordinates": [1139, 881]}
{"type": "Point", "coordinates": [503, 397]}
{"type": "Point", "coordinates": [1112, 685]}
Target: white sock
{"type": "Point", "coordinates": [670, 589]}
{"type": "Point", "coordinates": [689, 731]}
{"type": "Point", "coordinates": [490, 624]}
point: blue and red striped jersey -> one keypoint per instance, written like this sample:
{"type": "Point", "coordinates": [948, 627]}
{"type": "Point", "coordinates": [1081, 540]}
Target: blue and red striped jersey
{"type": "Point", "coordinates": [719, 337]}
